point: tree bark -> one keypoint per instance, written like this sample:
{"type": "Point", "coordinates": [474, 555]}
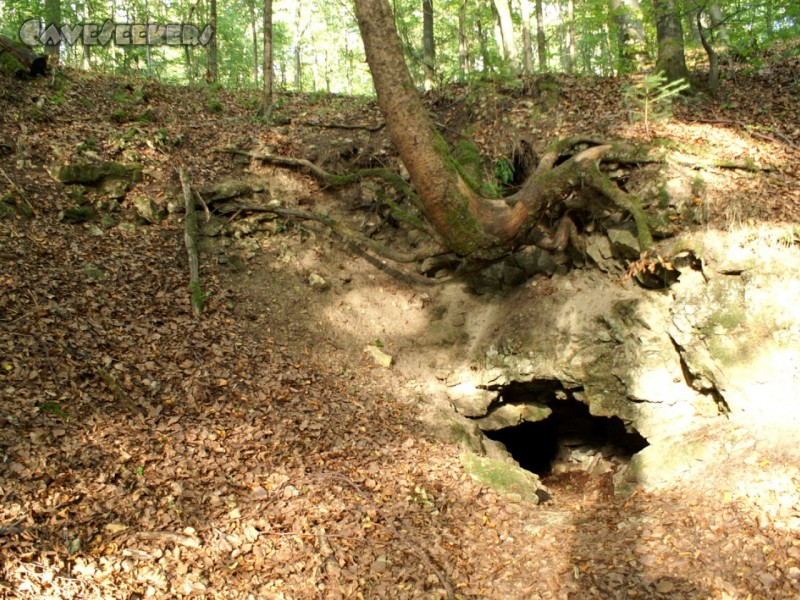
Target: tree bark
{"type": "Point", "coordinates": [255, 41]}
{"type": "Point", "coordinates": [630, 34]}
{"type": "Point", "coordinates": [298, 60]}
{"type": "Point", "coordinates": [267, 89]}
{"type": "Point", "coordinates": [448, 203]}
{"type": "Point", "coordinates": [509, 48]}
{"type": "Point", "coordinates": [541, 43]}
{"type": "Point", "coordinates": [571, 52]}
{"type": "Point", "coordinates": [19, 60]}
{"type": "Point", "coordinates": [428, 43]}
{"type": "Point", "coordinates": [213, 75]}
{"type": "Point", "coordinates": [527, 41]}
{"type": "Point", "coordinates": [671, 59]}
{"type": "Point", "coordinates": [52, 12]}
{"type": "Point", "coordinates": [464, 61]}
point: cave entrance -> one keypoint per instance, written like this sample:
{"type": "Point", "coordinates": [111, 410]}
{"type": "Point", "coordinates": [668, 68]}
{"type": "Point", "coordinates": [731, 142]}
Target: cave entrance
{"type": "Point", "coordinates": [570, 439]}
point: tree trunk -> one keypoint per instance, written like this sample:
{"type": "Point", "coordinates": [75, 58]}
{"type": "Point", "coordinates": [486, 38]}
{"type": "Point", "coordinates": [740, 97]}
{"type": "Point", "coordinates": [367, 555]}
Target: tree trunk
{"type": "Point", "coordinates": [713, 59]}
{"type": "Point", "coordinates": [527, 43]}
{"type": "Point", "coordinates": [298, 59]}
{"type": "Point", "coordinates": [671, 59]}
{"type": "Point", "coordinates": [52, 12]}
{"type": "Point", "coordinates": [213, 75]}
{"type": "Point", "coordinates": [267, 90]}
{"type": "Point", "coordinates": [428, 43]}
{"type": "Point", "coordinates": [506, 31]}
{"type": "Point", "coordinates": [255, 41]}
{"type": "Point", "coordinates": [464, 62]}
{"type": "Point", "coordinates": [467, 223]}
{"type": "Point", "coordinates": [718, 22]}
{"type": "Point", "coordinates": [630, 34]}
{"type": "Point", "coordinates": [19, 60]}
{"type": "Point", "coordinates": [448, 203]}
{"type": "Point", "coordinates": [487, 65]}
{"type": "Point", "coordinates": [571, 53]}
{"type": "Point", "coordinates": [541, 43]}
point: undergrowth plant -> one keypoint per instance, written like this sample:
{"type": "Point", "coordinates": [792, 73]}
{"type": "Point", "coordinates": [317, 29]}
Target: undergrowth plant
{"type": "Point", "coordinates": [650, 98]}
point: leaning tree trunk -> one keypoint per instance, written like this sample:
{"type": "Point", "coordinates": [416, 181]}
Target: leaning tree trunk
{"type": "Point", "coordinates": [469, 225]}
{"type": "Point", "coordinates": [449, 204]}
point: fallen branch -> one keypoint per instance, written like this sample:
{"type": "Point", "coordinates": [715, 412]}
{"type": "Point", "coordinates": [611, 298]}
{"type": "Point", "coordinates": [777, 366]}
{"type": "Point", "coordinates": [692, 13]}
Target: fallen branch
{"type": "Point", "coordinates": [349, 236]}
{"type": "Point", "coordinates": [190, 239]}
{"type": "Point", "coordinates": [330, 566]}
{"type": "Point", "coordinates": [169, 537]}
{"type": "Point", "coordinates": [117, 392]}
{"type": "Point", "coordinates": [331, 179]}
{"type": "Point", "coordinates": [370, 128]}
{"type": "Point", "coordinates": [21, 192]}
{"type": "Point", "coordinates": [751, 131]}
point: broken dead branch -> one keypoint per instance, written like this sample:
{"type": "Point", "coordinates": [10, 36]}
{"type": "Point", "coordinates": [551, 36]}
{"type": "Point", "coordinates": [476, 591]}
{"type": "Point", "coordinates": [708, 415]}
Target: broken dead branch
{"type": "Point", "coordinates": [190, 239]}
{"type": "Point", "coordinates": [330, 179]}
{"type": "Point", "coordinates": [117, 392]}
{"type": "Point", "coordinates": [170, 537]}
{"type": "Point", "coordinates": [370, 128]}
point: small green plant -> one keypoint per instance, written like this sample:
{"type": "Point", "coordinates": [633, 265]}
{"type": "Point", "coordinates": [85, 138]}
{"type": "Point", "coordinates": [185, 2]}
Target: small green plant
{"type": "Point", "coordinates": [89, 144]}
{"type": "Point", "coordinates": [198, 297]}
{"type": "Point", "coordinates": [57, 97]}
{"type": "Point", "coordinates": [650, 98]}
{"type": "Point", "coordinates": [698, 186]}
{"type": "Point", "coordinates": [55, 409]}
{"type": "Point", "coordinates": [214, 106]}
{"type": "Point", "coordinates": [503, 170]}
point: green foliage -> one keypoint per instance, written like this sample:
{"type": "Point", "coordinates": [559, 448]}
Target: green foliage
{"type": "Point", "coordinates": [650, 98]}
{"type": "Point", "coordinates": [214, 106]}
{"type": "Point", "coordinates": [57, 97]}
{"type": "Point", "coordinates": [88, 144]}
{"type": "Point", "coordinates": [55, 409]}
{"type": "Point", "coordinates": [8, 206]}
{"type": "Point", "coordinates": [503, 170]}
{"type": "Point", "coordinates": [198, 296]}
{"type": "Point", "coordinates": [330, 52]}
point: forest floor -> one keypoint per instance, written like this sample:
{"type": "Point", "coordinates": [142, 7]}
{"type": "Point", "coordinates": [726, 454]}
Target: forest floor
{"type": "Point", "coordinates": [257, 451]}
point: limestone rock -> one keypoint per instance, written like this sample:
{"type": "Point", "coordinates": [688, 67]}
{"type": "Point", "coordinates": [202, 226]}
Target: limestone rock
{"type": "Point", "coordinates": [624, 242]}
{"type": "Point", "coordinates": [148, 210]}
{"type": "Point", "coordinates": [510, 415]}
{"type": "Point", "coordinates": [503, 477]}
{"type": "Point", "coordinates": [317, 282]}
{"type": "Point", "coordinates": [381, 358]}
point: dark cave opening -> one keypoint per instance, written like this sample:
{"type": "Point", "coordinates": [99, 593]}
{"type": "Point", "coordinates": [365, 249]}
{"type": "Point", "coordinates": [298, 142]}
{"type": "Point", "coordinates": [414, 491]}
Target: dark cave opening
{"type": "Point", "coordinates": [566, 436]}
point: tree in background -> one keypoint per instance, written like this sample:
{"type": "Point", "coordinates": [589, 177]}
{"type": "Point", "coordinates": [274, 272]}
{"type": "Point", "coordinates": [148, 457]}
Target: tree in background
{"type": "Point", "coordinates": [52, 15]}
{"type": "Point", "coordinates": [506, 29]}
{"type": "Point", "coordinates": [428, 43]}
{"type": "Point", "coordinates": [212, 73]}
{"type": "Point", "coordinates": [541, 43]}
{"type": "Point", "coordinates": [631, 42]}
{"type": "Point", "coordinates": [267, 62]}
{"type": "Point", "coordinates": [527, 42]}
{"type": "Point", "coordinates": [316, 45]}
{"type": "Point", "coordinates": [671, 58]}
